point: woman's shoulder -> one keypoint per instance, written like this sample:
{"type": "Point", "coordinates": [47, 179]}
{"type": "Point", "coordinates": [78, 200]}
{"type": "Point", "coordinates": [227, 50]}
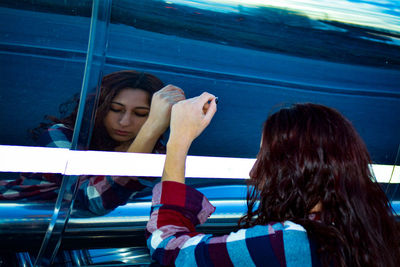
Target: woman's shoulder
{"type": "Point", "coordinates": [57, 135]}
{"type": "Point", "coordinates": [294, 240]}
{"type": "Point", "coordinates": [279, 227]}
{"type": "Point", "coordinates": [280, 242]}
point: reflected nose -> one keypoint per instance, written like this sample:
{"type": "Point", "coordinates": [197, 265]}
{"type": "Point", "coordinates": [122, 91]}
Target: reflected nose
{"type": "Point", "coordinates": [125, 119]}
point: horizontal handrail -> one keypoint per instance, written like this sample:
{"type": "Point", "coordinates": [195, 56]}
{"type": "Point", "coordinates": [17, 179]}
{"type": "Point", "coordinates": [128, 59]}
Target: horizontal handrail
{"type": "Point", "coordinates": [123, 227]}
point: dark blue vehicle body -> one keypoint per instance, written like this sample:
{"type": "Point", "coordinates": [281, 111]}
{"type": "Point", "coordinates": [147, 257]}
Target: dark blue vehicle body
{"type": "Point", "coordinates": [255, 58]}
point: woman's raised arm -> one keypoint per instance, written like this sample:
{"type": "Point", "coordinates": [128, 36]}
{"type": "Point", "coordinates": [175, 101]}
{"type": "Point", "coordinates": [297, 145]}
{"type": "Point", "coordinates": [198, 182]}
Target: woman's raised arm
{"type": "Point", "coordinates": [188, 119]}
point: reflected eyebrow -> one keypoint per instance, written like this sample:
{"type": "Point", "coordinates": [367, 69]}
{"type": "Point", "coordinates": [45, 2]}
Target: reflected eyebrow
{"type": "Point", "coordinates": [117, 103]}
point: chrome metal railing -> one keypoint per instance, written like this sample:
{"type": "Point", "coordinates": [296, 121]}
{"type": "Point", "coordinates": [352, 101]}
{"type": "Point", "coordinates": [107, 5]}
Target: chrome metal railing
{"type": "Point", "coordinates": [23, 225]}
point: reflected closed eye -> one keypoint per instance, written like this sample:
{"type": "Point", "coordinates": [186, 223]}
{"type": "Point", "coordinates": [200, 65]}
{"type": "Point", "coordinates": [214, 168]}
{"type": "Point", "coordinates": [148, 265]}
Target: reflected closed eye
{"type": "Point", "coordinates": [115, 110]}
{"type": "Point", "coordinates": [142, 114]}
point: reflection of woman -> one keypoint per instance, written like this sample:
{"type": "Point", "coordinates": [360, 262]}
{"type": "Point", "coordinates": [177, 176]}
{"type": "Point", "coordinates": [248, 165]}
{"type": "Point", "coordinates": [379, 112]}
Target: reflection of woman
{"type": "Point", "coordinates": [133, 113]}
{"type": "Point", "coordinates": [312, 200]}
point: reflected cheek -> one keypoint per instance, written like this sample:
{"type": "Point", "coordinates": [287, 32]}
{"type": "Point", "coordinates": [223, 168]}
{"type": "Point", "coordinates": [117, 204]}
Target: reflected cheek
{"type": "Point", "coordinates": [135, 126]}
{"type": "Point", "coordinates": [110, 121]}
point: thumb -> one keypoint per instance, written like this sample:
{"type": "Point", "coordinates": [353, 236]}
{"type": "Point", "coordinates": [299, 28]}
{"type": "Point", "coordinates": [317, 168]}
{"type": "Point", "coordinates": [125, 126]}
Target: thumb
{"type": "Point", "coordinates": [211, 110]}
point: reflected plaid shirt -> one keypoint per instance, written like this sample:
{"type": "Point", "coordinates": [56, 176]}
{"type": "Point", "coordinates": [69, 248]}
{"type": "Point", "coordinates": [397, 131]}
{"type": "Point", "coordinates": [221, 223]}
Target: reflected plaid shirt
{"type": "Point", "coordinates": [97, 194]}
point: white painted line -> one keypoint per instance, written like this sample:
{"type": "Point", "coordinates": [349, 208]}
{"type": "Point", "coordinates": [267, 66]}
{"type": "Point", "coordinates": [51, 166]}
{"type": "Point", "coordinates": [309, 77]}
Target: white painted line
{"type": "Point", "coordinates": [69, 162]}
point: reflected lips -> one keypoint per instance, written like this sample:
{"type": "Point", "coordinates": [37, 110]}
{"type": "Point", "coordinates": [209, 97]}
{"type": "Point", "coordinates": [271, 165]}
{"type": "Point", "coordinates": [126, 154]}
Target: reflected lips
{"type": "Point", "coordinates": [122, 133]}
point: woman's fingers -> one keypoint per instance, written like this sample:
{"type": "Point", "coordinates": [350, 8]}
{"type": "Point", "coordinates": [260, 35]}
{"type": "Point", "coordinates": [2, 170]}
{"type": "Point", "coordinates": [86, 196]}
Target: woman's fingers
{"type": "Point", "coordinates": [171, 94]}
{"type": "Point", "coordinates": [210, 111]}
{"type": "Point", "coordinates": [209, 107]}
{"type": "Point", "coordinates": [161, 105]}
{"type": "Point", "coordinates": [172, 89]}
{"type": "Point", "coordinates": [192, 116]}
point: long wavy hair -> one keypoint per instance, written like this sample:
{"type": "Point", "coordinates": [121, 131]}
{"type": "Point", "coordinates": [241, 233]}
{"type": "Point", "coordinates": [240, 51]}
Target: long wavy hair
{"type": "Point", "coordinates": [310, 154]}
{"type": "Point", "coordinates": [111, 85]}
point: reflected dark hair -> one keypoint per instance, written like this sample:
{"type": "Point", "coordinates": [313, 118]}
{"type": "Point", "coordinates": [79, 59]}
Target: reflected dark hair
{"type": "Point", "coordinates": [311, 154]}
{"type": "Point", "coordinates": [111, 85]}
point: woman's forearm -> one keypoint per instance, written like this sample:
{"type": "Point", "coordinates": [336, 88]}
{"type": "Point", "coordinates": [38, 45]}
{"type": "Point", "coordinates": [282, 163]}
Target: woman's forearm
{"type": "Point", "coordinates": [175, 161]}
{"type": "Point", "coordinates": [188, 119]}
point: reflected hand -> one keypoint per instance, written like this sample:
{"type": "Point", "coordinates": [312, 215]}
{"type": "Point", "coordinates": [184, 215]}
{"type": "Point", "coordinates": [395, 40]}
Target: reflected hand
{"type": "Point", "coordinates": [190, 117]}
{"type": "Point", "coordinates": [161, 105]}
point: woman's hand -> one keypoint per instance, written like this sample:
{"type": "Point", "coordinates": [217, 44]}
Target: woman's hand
{"type": "Point", "coordinates": [188, 119]}
{"type": "Point", "coordinates": [161, 105]}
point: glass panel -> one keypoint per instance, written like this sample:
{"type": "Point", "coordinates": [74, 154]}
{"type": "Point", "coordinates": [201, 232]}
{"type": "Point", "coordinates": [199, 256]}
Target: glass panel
{"type": "Point", "coordinates": [256, 56]}
{"type": "Point", "coordinates": [259, 55]}
{"type": "Point", "coordinates": [42, 58]}
{"type": "Point", "coordinates": [43, 52]}
{"type": "Point", "coordinates": [85, 119]}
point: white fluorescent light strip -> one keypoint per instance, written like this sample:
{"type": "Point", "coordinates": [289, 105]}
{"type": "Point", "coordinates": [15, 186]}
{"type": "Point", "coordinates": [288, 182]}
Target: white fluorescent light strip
{"type": "Point", "coordinates": [69, 162]}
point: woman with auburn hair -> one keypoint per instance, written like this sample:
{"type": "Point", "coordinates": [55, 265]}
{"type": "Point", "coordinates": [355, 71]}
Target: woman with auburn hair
{"type": "Point", "coordinates": [312, 199]}
{"type": "Point", "coordinates": [133, 112]}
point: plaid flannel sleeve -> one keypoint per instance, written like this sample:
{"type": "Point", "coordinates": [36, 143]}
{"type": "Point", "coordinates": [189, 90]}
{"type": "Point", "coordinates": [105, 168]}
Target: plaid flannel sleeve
{"type": "Point", "coordinates": [39, 186]}
{"type": "Point", "coordinates": [101, 194]}
{"type": "Point", "coordinates": [98, 194]}
{"type": "Point", "coordinates": [173, 240]}
{"type": "Point", "coordinates": [58, 135]}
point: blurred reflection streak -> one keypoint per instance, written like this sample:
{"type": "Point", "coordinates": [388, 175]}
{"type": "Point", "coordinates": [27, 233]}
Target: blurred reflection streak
{"type": "Point", "coordinates": [126, 255]}
{"type": "Point", "coordinates": [396, 207]}
{"type": "Point", "coordinates": [24, 259]}
{"type": "Point", "coordinates": [365, 13]}
{"type": "Point", "coordinates": [337, 31]}
{"type": "Point", "coordinates": [78, 257]}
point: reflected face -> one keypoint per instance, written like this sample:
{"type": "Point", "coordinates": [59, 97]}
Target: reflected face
{"type": "Point", "coordinates": [128, 112]}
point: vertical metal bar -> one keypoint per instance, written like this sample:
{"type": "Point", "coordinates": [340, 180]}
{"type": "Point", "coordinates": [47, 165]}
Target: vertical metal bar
{"type": "Point", "coordinates": [24, 259]}
{"type": "Point", "coordinates": [396, 187]}
{"type": "Point", "coordinates": [97, 46]}
{"type": "Point", "coordinates": [80, 257]}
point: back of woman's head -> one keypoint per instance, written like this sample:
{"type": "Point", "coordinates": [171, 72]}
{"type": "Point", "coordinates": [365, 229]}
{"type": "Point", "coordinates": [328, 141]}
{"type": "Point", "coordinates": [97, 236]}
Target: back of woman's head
{"type": "Point", "coordinates": [310, 154]}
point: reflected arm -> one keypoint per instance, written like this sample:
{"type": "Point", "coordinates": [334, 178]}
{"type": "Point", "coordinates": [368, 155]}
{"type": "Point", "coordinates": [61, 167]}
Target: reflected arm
{"type": "Point", "coordinates": [159, 119]}
{"type": "Point", "coordinates": [146, 139]}
{"type": "Point", "coordinates": [96, 193]}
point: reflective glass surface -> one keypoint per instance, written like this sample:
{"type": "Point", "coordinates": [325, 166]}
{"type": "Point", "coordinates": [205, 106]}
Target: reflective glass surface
{"type": "Point", "coordinates": [42, 58]}
{"type": "Point", "coordinates": [256, 56]}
